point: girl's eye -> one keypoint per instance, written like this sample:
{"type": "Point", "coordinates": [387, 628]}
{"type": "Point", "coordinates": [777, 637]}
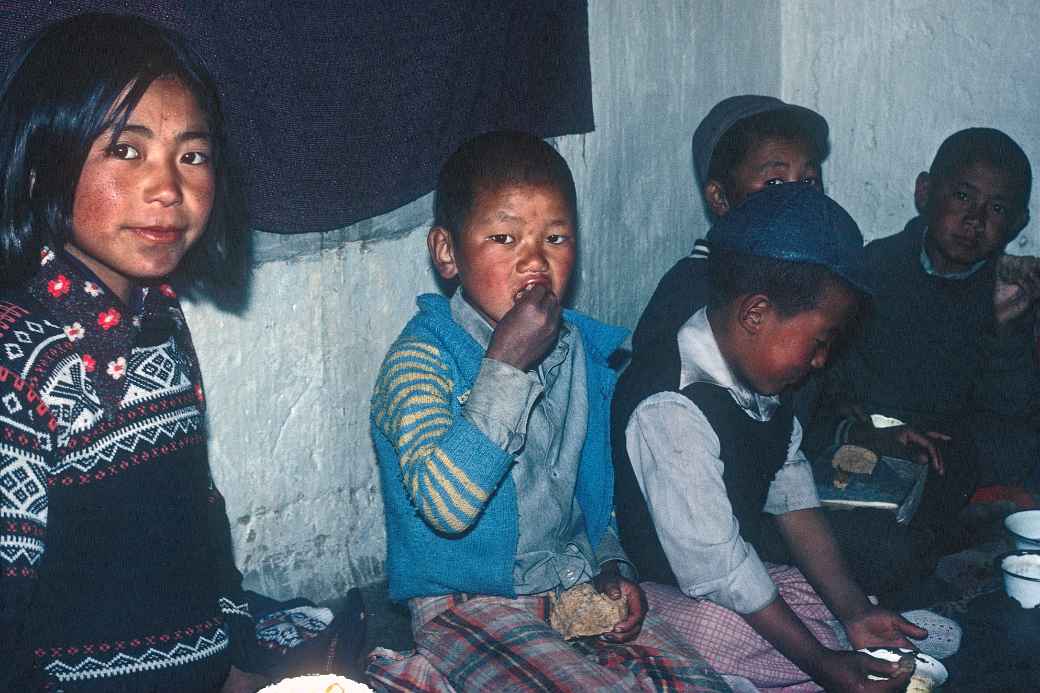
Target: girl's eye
{"type": "Point", "coordinates": [500, 238]}
{"type": "Point", "coordinates": [1000, 209]}
{"type": "Point", "coordinates": [122, 150]}
{"type": "Point", "coordinates": [195, 158]}
{"type": "Point", "coordinates": [811, 180]}
{"type": "Point", "coordinates": [961, 195]}
{"type": "Point", "coordinates": [557, 239]}
{"type": "Point", "coordinates": [775, 181]}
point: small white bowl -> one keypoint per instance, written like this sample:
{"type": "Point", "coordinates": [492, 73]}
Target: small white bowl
{"type": "Point", "coordinates": [1024, 528]}
{"type": "Point", "coordinates": [1021, 570]}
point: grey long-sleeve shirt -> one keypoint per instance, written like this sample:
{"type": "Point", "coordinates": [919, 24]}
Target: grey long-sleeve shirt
{"type": "Point", "coordinates": [675, 454]}
{"type": "Point", "coordinates": [540, 416]}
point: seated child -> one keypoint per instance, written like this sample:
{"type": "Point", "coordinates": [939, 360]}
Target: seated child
{"type": "Point", "coordinates": [745, 143]}
{"type": "Point", "coordinates": [490, 421]}
{"type": "Point", "coordinates": [116, 565]}
{"type": "Point", "coordinates": [929, 350]}
{"type": "Point", "coordinates": [787, 275]}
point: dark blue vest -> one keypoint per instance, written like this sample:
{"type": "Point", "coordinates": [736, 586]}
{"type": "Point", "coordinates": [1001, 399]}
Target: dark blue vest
{"type": "Point", "coordinates": [752, 452]}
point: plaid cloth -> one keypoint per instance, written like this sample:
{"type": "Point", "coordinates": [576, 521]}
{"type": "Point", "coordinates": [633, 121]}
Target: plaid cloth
{"type": "Point", "coordinates": [732, 646]}
{"type": "Point", "coordinates": [499, 644]}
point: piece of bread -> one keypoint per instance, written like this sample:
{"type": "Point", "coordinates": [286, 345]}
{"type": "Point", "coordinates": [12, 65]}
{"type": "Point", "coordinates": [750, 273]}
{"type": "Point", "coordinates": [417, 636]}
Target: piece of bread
{"type": "Point", "coordinates": [852, 459]}
{"type": "Point", "coordinates": [582, 611]}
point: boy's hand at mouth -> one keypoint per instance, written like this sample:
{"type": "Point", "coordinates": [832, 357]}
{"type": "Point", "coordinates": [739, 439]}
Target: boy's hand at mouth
{"type": "Point", "coordinates": [526, 333]}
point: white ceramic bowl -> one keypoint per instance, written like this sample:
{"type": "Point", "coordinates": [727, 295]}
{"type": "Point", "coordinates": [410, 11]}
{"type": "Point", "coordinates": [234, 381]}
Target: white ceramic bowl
{"type": "Point", "coordinates": [1021, 570]}
{"type": "Point", "coordinates": [1024, 528]}
{"type": "Point", "coordinates": [320, 683]}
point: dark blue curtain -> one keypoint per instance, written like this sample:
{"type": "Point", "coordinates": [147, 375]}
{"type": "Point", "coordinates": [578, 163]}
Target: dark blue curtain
{"type": "Point", "coordinates": [344, 109]}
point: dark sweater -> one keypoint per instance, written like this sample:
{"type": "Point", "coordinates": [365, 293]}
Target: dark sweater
{"type": "Point", "coordinates": [115, 552]}
{"type": "Point", "coordinates": [924, 346]}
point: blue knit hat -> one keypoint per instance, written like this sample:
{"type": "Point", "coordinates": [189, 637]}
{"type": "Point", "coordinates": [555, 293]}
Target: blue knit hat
{"type": "Point", "coordinates": [798, 223]}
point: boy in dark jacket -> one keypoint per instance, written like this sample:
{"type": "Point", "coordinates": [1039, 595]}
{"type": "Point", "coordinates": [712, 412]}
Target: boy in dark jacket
{"type": "Point", "coordinates": [918, 378]}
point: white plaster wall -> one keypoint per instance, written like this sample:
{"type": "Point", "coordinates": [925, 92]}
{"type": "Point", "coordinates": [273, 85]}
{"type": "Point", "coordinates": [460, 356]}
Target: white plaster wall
{"type": "Point", "coordinates": [657, 68]}
{"type": "Point", "coordinates": [896, 77]}
{"type": "Point", "coordinates": [288, 381]}
{"type": "Point", "coordinates": [288, 384]}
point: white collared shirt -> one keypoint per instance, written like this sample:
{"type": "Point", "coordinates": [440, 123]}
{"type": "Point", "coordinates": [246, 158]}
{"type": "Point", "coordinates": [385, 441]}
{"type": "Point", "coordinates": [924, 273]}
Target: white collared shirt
{"type": "Point", "coordinates": [675, 454]}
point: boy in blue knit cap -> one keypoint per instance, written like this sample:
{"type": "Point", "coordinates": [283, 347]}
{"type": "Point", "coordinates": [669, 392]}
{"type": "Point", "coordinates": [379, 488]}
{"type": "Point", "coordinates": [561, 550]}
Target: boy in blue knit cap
{"type": "Point", "coordinates": [490, 420]}
{"type": "Point", "coordinates": [787, 274]}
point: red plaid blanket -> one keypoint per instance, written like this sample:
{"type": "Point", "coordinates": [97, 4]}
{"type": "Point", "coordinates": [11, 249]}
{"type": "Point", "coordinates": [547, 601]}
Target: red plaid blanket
{"type": "Point", "coordinates": [499, 644]}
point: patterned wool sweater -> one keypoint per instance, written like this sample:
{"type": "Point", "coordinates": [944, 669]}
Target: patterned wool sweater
{"type": "Point", "coordinates": [114, 547]}
{"type": "Point", "coordinates": [450, 503]}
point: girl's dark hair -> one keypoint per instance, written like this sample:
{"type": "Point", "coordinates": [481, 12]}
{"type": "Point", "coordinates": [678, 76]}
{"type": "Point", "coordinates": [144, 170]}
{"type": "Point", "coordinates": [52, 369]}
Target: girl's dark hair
{"type": "Point", "coordinates": [67, 85]}
{"type": "Point", "coordinates": [490, 161]}
{"type": "Point", "coordinates": [793, 287]}
{"type": "Point", "coordinates": [735, 144]}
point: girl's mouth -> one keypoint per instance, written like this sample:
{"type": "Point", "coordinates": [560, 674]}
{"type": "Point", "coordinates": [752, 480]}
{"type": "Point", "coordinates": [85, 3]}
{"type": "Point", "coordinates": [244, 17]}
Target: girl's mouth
{"type": "Point", "coordinates": [159, 234]}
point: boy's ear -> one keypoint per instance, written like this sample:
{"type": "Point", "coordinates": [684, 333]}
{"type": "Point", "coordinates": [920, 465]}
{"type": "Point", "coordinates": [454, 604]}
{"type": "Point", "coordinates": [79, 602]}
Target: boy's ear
{"type": "Point", "coordinates": [1016, 227]}
{"type": "Point", "coordinates": [442, 252]}
{"type": "Point", "coordinates": [715, 194]}
{"type": "Point", "coordinates": [922, 187]}
{"type": "Point", "coordinates": [754, 311]}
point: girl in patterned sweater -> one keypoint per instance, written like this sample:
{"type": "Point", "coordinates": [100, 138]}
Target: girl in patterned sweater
{"type": "Point", "coordinates": [116, 562]}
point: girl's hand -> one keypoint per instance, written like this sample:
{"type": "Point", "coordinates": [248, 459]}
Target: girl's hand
{"type": "Point", "coordinates": [847, 672]}
{"type": "Point", "coordinates": [612, 584]}
{"type": "Point", "coordinates": [877, 627]}
{"type": "Point", "coordinates": [239, 681]}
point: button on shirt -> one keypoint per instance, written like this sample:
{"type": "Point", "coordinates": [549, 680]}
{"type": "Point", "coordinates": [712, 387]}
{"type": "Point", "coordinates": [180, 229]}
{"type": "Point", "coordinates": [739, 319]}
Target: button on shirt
{"type": "Point", "coordinates": [675, 454]}
{"type": "Point", "coordinates": [541, 417]}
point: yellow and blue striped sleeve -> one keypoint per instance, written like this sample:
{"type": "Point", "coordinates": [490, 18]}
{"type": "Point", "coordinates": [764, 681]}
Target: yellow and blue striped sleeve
{"type": "Point", "coordinates": [449, 468]}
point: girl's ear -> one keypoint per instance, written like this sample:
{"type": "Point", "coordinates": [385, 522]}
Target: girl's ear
{"type": "Point", "coordinates": [442, 252]}
{"type": "Point", "coordinates": [755, 311]}
{"type": "Point", "coordinates": [715, 194]}
{"type": "Point", "coordinates": [921, 188]}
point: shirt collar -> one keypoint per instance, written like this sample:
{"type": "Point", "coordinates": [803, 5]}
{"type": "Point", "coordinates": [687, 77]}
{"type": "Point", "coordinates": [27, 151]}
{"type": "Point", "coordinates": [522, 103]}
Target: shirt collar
{"type": "Point", "coordinates": [701, 361]}
{"type": "Point", "coordinates": [467, 317]}
{"type": "Point", "coordinates": [137, 294]}
{"type": "Point", "coordinates": [929, 268]}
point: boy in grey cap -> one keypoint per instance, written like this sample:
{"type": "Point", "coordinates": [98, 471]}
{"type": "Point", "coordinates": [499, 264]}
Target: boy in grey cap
{"type": "Point", "coordinates": [713, 453]}
{"type": "Point", "coordinates": [745, 143]}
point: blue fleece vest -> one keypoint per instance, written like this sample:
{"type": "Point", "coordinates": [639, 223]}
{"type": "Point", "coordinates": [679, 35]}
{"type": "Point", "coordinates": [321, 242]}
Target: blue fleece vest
{"type": "Point", "coordinates": [423, 562]}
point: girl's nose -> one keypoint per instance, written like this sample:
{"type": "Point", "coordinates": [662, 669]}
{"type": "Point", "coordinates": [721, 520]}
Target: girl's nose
{"type": "Point", "coordinates": [163, 184]}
